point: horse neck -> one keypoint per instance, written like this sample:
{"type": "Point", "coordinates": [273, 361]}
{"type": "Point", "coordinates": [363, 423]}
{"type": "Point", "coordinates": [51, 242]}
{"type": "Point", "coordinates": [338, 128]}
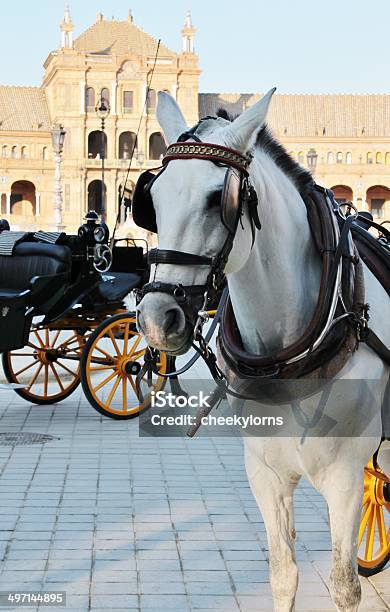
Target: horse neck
{"type": "Point", "coordinates": [274, 294]}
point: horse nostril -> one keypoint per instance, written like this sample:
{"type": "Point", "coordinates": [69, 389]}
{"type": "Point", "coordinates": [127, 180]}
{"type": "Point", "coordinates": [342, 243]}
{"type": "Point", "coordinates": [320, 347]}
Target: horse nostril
{"type": "Point", "coordinates": [171, 320]}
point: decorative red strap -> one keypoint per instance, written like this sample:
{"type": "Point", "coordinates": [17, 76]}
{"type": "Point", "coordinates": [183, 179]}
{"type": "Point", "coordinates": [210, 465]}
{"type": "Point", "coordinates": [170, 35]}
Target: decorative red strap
{"type": "Point", "coordinates": [207, 151]}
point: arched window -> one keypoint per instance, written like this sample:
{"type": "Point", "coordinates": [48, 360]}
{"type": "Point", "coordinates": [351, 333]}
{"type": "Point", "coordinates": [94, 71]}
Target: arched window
{"type": "Point", "coordinates": [330, 158]}
{"type": "Point", "coordinates": [23, 199]}
{"type": "Point", "coordinates": [157, 146]}
{"type": "Point", "coordinates": [4, 151]}
{"type": "Point", "coordinates": [342, 193]}
{"type": "Point", "coordinates": [90, 98]}
{"type": "Point", "coordinates": [378, 158]}
{"type": "Point", "coordinates": [127, 143]}
{"type": "Point", "coordinates": [151, 101]}
{"type": "Point", "coordinates": [348, 158]}
{"type": "Point", "coordinates": [370, 159]}
{"type": "Point", "coordinates": [95, 196]}
{"type": "Point", "coordinates": [97, 144]}
{"type": "Point", "coordinates": [339, 157]}
{"type": "Point", "coordinates": [24, 153]}
{"type": "Point", "coordinates": [14, 152]}
{"type": "Point", "coordinates": [301, 157]}
{"type": "Point", "coordinates": [45, 153]}
{"type": "Point", "coordinates": [377, 198]}
{"type": "Point", "coordinates": [387, 159]}
{"type": "Point", "coordinates": [105, 94]}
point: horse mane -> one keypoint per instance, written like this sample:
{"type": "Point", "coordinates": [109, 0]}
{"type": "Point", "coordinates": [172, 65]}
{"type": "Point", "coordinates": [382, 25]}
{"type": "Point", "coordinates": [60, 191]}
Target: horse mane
{"type": "Point", "coordinates": [268, 143]}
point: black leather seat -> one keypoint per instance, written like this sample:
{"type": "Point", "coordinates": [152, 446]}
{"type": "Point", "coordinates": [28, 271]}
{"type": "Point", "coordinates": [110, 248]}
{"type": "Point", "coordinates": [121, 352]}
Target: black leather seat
{"type": "Point", "coordinates": [31, 259]}
{"type": "Point", "coordinates": [115, 285]}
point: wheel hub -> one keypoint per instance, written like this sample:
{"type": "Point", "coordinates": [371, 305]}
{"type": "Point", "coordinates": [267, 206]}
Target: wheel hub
{"type": "Point", "coordinates": [132, 368]}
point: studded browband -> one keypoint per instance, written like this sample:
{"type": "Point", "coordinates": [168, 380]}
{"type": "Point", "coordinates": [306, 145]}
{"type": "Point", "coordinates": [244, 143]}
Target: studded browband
{"type": "Point", "coordinates": [210, 152]}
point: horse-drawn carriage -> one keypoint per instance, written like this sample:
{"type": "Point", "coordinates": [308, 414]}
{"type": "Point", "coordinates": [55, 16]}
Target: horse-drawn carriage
{"type": "Point", "coordinates": [63, 318]}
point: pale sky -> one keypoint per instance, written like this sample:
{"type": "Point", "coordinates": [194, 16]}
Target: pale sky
{"type": "Point", "coordinates": [301, 46]}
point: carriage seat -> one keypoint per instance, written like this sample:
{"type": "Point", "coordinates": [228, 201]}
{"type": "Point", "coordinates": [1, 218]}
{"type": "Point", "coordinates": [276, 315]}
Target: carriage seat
{"type": "Point", "coordinates": [30, 259]}
{"type": "Point", "coordinates": [116, 285]}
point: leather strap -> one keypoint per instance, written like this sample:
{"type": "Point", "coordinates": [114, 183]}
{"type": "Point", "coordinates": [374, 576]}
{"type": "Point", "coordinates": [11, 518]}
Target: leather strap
{"type": "Point", "coordinates": [178, 258]}
{"type": "Point", "coordinates": [376, 344]}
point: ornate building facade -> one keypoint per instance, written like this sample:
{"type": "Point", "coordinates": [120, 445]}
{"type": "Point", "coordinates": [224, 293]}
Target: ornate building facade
{"type": "Point", "coordinates": [344, 139]}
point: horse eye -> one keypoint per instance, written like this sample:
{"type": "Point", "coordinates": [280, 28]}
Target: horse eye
{"type": "Point", "coordinates": [214, 199]}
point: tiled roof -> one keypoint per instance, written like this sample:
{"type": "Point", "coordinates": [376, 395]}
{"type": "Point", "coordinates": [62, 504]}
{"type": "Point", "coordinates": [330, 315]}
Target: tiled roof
{"type": "Point", "coordinates": [23, 109]}
{"type": "Point", "coordinates": [118, 38]}
{"type": "Point", "coordinates": [306, 115]}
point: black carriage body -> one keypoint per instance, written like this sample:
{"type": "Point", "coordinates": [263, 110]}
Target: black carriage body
{"type": "Point", "coordinates": [59, 282]}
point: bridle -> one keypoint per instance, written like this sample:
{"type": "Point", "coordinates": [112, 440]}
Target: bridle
{"type": "Point", "coordinates": [194, 298]}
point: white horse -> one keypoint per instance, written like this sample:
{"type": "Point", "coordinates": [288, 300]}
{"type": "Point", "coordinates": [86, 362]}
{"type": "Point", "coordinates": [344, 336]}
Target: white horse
{"type": "Point", "coordinates": [273, 287]}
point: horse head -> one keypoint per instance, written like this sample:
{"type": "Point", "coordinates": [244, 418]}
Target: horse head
{"type": "Point", "coordinates": [187, 202]}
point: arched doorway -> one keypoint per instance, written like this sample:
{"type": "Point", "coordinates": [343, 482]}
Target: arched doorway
{"type": "Point", "coordinates": [342, 193]}
{"type": "Point", "coordinates": [125, 197]}
{"type": "Point", "coordinates": [23, 199]}
{"type": "Point", "coordinates": [95, 196]}
{"type": "Point", "coordinates": [378, 199]}
{"type": "Point", "coordinates": [127, 143]}
{"type": "Point", "coordinates": [97, 144]}
{"type": "Point", "coordinates": [157, 146]}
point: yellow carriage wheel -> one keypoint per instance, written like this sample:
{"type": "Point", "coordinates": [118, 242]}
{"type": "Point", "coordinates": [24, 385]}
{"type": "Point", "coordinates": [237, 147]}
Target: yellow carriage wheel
{"type": "Point", "coordinates": [111, 365]}
{"type": "Point", "coordinates": [48, 366]}
{"type": "Point", "coordinates": [374, 532]}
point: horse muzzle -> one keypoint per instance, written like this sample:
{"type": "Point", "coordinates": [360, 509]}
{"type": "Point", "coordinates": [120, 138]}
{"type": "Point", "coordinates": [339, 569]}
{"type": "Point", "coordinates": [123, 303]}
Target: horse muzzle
{"type": "Point", "coordinates": [164, 324]}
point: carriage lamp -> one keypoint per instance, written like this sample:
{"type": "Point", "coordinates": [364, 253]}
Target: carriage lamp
{"type": "Point", "coordinates": [58, 137]}
{"type": "Point", "coordinates": [312, 158]}
{"type": "Point", "coordinates": [102, 110]}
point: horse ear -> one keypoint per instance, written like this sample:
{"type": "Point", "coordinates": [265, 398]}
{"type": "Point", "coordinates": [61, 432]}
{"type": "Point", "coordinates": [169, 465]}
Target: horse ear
{"type": "Point", "coordinates": [242, 132]}
{"type": "Point", "coordinates": [170, 117]}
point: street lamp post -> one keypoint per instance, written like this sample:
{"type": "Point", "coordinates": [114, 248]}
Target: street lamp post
{"type": "Point", "coordinates": [58, 137]}
{"type": "Point", "coordinates": [312, 158]}
{"type": "Point", "coordinates": [103, 110]}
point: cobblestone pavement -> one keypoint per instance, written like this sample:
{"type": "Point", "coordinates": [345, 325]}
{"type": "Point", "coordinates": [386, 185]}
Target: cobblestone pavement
{"type": "Point", "coordinates": [127, 523]}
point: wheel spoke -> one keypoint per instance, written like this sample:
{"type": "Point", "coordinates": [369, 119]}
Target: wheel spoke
{"type": "Point", "coordinates": [105, 354]}
{"type": "Point", "coordinates": [124, 393]}
{"type": "Point", "coordinates": [363, 522]}
{"type": "Point", "coordinates": [69, 341]}
{"type": "Point", "coordinates": [34, 346]}
{"type": "Point", "coordinates": [53, 343]}
{"type": "Point", "coordinates": [370, 533]}
{"type": "Point", "coordinates": [134, 386]}
{"type": "Point", "coordinates": [46, 380]}
{"type": "Point", "coordinates": [34, 378]}
{"type": "Point", "coordinates": [111, 335]}
{"type": "Point", "coordinates": [26, 368]}
{"type": "Point", "coordinates": [126, 338]}
{"type": "Point", "coordinates": [102, 367]}
{"type": "Point", "coordinates": [113, 390]}
{"type": "Point", "coordinates": [74, 374]}
{"type": "Point", "coordinates": [135, 345]}
{"type": "Point", "coordinates": [382, 529]}
{"type": "Point", "coordinates": [105, 381]}
{"type": "Point", "coordinates": [57, 377]}
{"type": "Point", "coordinates": [39, 338]}
{"type": "Point", "coordinates": [138, 354]}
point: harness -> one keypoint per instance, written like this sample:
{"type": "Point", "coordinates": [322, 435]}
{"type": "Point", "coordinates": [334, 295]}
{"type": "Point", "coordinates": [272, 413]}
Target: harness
{"type": "Point", "coordinates": [340, 320]}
